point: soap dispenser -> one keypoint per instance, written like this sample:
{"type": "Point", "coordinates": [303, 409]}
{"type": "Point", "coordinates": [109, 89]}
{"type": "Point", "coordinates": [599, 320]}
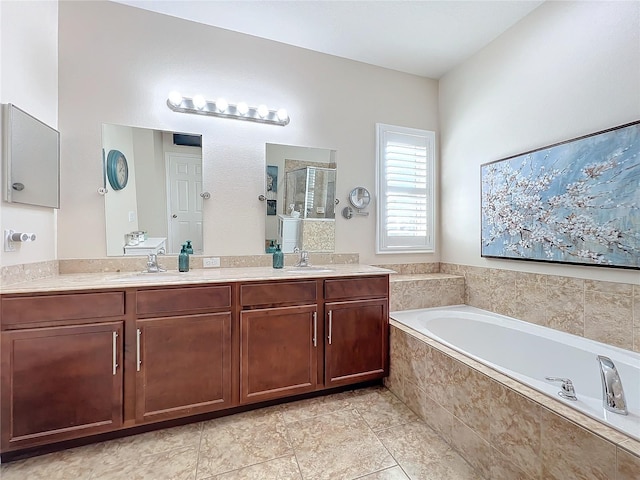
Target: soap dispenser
{"type": "Point", "coordinates": [183, 259]}
{"type": "Point", "coordinates": [278, 258]}
{"type": "Point", "coordinates": [189, 247]}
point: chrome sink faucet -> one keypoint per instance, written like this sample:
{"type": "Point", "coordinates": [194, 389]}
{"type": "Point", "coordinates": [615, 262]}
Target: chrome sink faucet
{"type": "Point", "coordinates": [612, 391]}
{"type": "Point", "coordinates": [152, 264]}
{"type": "Point", "coordinates": [303, 261]}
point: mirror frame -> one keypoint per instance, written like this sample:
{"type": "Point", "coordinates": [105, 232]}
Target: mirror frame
{"type": "Point", "coordinates": [360, 198]}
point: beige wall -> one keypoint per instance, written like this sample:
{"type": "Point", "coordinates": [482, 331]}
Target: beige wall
{"type": "Point", "coordinates": [567, 69]}
{"type": "Point", "coordinates": [29, 79]}
{"type": "Point", "coordinates": [117, 65]}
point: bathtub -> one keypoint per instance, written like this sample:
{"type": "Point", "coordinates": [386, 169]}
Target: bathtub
{"type": "Point", "coordinates": [528, 353]}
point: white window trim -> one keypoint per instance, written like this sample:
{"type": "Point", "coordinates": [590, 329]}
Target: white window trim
{"type": "Point", "coordinates": [382, 244]}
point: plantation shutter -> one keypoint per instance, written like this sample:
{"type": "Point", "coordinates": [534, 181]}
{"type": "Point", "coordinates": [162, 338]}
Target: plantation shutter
{"type": "Point", "coordinates": [405, 189]}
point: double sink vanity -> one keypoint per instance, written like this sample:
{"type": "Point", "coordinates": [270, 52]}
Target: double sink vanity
{"type": "Point", "coordinates": [89, 354]}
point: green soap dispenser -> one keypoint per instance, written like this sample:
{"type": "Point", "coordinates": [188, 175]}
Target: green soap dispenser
{"type": "Point", "coordinates": [278, 258]}
{"type": "Point", "coordinates": [272, 247]}
{"type": "Point", "coordinates": [183, 259]}
{"type": "Point", "coordinates": [189, 248]}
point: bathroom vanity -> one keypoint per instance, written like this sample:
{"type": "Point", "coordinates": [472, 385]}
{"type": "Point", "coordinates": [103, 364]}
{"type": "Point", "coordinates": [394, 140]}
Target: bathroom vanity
{"type": "Point", "coordinates": [107, 353]}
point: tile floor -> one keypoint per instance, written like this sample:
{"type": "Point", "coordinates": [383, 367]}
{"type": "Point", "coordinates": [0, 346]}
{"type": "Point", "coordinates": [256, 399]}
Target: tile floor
{"type": "Point", "coordinates": [365, 434]}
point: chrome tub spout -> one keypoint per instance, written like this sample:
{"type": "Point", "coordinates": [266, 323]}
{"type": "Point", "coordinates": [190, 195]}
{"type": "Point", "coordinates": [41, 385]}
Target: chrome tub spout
{"type": "Point", "coordinates": [612, 392]}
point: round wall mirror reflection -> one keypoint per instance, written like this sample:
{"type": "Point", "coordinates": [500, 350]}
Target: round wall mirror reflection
{"type": "Point", "coordinates": [359, 197]}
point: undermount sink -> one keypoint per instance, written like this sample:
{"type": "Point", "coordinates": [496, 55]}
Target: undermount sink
{"type": "Point", "coordinates": [149, 277]}
{"type": "Point", "coordinates": [309, 269]}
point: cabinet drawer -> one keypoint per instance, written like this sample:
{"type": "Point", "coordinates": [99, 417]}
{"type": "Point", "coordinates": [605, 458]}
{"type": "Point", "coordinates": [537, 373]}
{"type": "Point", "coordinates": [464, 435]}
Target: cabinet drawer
{"type": "Point", "coordinates": [183, 299]}
{"type": "Point", "coordinates": [354, 288]}
{"type": "Point", "coordinates": [61, 308]}
{"type": "Point", "coordinates": [275, 293]}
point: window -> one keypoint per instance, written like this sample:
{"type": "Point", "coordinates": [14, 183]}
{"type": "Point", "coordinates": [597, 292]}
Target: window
{"type": "Point", "coordinates": [405, 182]}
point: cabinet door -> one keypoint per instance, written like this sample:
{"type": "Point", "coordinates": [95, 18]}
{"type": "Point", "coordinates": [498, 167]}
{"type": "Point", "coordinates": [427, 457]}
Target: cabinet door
{"type": "Point", "coordinates": [183, 366]}
{"type": "Point", "coordinates": [278, 352]}
{"type": "Point", "coordinates": [356, 348]}
{"type": "Point", "coordinates": [60, 383]}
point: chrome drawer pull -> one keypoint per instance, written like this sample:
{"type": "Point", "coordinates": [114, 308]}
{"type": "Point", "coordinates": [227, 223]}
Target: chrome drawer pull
{"type": "Point", "coordinates": [315, 329]}
{"type": "Point", "coordinates": [330, 324]}
{"type": "Point", "coordinates": [115, 351]}
{"type": "Point", "coordinates": [138, 362]}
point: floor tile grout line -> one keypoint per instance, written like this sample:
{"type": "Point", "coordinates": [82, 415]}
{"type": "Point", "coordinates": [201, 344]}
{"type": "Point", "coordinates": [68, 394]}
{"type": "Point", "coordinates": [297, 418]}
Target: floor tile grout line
{"type": "Point", "coordinates": [350, 407]}
{"type": "Point", "coordinates": [278, 412]}
{"type": "Point", "coordinates": [247, 466]}
{"type": "Point", "coordinates": [295, 454]}
{"type": "Point", "coordinates": [199, 450]}
{"type": "Point", "coordinates": [381, 470]}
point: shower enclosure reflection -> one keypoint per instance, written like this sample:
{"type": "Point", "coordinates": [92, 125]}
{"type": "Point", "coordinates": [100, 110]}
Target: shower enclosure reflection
{"type": "Point", "coordinates": [300, 193]}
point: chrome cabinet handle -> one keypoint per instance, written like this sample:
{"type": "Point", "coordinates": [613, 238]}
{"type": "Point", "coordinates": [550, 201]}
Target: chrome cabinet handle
{"type": "Point", "coordinates": [138, 362]}
{"type": "Point", "coordinates": [115, 351]}
{"type": "Point", "coordinates": [330, 324]}
{"type": "Point", "coordinates": [315, 329]}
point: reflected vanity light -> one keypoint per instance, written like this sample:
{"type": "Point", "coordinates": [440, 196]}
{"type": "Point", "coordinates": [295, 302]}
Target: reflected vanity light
{"type": "Point", "coordinates": [221, 108]}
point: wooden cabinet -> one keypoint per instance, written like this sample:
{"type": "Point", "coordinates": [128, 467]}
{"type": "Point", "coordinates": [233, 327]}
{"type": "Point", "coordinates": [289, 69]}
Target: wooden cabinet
{"type": "Point", "coordinates": [183, 357]}
{"type": "Point", "coordinates": [60, 383]}
{"type": "Point", "coordinates": [183, 365]}
{"type": "Point", "coordinates": [278, 345]}
{"type": "Point", "coordinates": [356, 348]}
{"type": "Point", "coordinates": [75, 364]}
{"type": "Point", "coordinates": [278, 352]}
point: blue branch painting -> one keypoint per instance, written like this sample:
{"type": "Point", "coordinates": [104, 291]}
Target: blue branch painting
{"type": "Point", "coordinates": [575, 202]}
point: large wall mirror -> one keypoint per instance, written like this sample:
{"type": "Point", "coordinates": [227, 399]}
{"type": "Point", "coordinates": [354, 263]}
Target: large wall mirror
{"type": "Point", "coordinates": [153, 180]}
{"type": "Point", "coordinates": [300, 198]}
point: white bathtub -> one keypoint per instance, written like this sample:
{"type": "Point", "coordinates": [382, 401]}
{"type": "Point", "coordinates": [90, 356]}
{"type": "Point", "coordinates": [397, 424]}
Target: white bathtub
{"type": "Point", "coordinates": [529, 353]}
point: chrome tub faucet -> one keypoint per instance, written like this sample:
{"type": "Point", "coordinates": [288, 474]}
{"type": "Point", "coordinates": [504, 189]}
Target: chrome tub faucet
{"type": "Point", "coordinates": [612, 391]}
{"type": "Point", "coordinates": [568, 391]}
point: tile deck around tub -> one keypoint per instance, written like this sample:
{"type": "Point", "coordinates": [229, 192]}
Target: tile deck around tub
{"type": "Point", "coordinates": [365, 434]}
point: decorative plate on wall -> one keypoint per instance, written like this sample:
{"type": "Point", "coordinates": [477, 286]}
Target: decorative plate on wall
{"type": "Point", "coordinates": [117, 169]}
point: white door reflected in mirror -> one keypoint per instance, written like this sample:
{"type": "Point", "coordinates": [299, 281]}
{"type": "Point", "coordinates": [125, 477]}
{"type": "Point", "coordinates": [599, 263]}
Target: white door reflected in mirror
{"type": "Point", "coordinates": [163, 196]}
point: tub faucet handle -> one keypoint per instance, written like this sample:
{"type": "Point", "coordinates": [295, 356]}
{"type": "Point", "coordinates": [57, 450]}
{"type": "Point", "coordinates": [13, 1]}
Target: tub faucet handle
{"type": "Point", "coordinates": [568, 391]}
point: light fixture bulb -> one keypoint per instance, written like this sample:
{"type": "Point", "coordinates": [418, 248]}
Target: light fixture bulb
{"type": "Point", "coordinates": [199, 102]}
{"type": "Point", "coordinates": [221, 104]}
{"type": "Point", "coordinates": [175, 98]}
{"type": "Point", "coordinates": [242, 108]}
{"type": "Point", "coordinates": [263, 111]}
{"type": "Point", "coordinates": [282, 115]}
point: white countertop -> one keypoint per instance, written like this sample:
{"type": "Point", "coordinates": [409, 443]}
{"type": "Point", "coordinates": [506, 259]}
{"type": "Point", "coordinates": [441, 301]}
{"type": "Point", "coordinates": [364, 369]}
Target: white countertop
{"type": "Point", "coordinates": [94, 281]}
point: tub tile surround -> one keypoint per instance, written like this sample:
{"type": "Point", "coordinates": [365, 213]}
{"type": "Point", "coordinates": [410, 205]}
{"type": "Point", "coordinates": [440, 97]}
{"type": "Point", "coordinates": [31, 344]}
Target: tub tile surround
{"type": "Point", "coordinates": [607, 312]}
{"type": "Point", "coordinates": [530, 436]}
{"type": "Point", "coordinates": [421, 285]}
{"type": "Point", "coordinates": [407, 292]}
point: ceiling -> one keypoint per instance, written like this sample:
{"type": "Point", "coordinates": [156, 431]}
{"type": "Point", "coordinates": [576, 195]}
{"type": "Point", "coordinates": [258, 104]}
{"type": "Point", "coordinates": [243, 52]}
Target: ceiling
{"type": "Point", "coordinates": [422, 37]}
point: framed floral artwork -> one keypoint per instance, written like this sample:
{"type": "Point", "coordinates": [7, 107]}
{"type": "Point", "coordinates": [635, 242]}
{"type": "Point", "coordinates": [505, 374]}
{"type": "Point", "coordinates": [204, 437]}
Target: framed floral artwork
{"type": "Point", "coordinates": [272, 178]}
{"type": "Point", "coordinates": [572, 202]}
{"type": "Point", "coordinates": [272, 207]}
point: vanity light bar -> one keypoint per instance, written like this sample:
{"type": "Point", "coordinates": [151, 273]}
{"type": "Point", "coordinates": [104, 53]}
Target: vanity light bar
{"type": "Point", "coordinates": [221, 108]}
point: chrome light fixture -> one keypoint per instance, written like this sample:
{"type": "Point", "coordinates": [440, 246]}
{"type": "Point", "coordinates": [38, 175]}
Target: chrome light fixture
{"type": "Point", "coordinates": [221, 108]}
